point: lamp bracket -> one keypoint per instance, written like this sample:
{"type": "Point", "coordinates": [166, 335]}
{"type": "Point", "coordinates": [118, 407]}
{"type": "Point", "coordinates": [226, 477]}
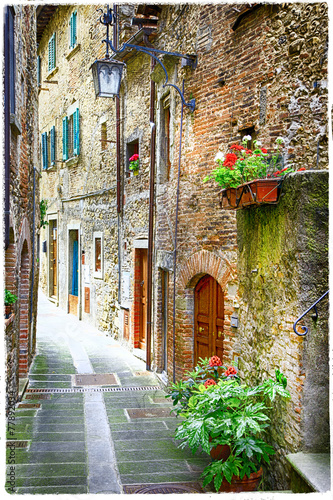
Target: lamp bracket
{"type": "Point", "coordinates": [191, 60]}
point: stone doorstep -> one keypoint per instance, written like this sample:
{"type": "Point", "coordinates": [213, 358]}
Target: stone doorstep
{"type": "Point", "coordinates": [313, 468]}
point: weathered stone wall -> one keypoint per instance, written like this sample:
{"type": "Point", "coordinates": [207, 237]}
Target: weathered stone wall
{"type": "Point", "coordinates": [21, 270]}
{"type": "Point", "coordinates": [267, 77]}
{"type": "Point", "coordinates": [282, 271]}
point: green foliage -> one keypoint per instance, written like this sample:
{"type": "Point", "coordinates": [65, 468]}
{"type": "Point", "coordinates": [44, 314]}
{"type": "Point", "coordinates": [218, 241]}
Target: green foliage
{"type": "Point", "coordinates": [10, 298]}
{"type": "Point", "coordinates": [243, 165]}
{"type": "Point", "coordinates": [227, 413]}
{"type": "Point", "coordinates": [43, 210]}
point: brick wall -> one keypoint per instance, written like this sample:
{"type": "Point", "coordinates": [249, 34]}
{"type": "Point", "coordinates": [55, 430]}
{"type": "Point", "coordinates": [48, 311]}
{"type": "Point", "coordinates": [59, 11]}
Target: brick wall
{"type": "Point", "coordinates": [19, 264]}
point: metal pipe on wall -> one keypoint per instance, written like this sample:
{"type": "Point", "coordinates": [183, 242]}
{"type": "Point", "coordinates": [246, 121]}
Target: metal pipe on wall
{"type": "Point", "coordinates": [115, 43]}
{"type": "Point", "coordinates": [151, 219]}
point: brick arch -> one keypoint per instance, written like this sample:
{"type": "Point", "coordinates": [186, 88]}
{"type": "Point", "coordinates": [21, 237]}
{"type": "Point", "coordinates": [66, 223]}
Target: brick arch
{"type": "Point", "coordinates": [205, 262]}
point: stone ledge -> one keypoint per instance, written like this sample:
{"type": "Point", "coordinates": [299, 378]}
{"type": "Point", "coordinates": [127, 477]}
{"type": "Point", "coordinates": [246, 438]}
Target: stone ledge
{"type": "Point", "coordinates": [313, 468]}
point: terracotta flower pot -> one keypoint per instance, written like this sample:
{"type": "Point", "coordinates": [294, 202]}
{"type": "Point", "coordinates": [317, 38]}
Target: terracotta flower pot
{"type": "Point", "coordinates": [265, 190]}
{"type": "Point", "coordinates": [238, 485]}
{"type": "Point", "coordinates": [228, 198]}
{"type": "Point", "coordinates": [220, 452]}
{"type": "Point", "coordinates": [8, 311]}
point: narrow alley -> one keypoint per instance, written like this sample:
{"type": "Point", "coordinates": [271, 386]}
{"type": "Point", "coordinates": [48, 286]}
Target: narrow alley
{"type": "Point", "coordinates": [110, 433]}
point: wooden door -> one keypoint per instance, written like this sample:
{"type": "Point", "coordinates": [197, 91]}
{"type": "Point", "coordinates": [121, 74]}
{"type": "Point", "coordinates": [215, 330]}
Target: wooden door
{"type": "Point", "coordinates": [209, 319]}
{"type": "Point", "coordinates": [143, 298]}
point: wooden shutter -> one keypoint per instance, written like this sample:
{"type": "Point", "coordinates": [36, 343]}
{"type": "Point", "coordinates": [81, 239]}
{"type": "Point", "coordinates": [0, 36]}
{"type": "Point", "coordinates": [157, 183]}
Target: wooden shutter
{"type": "Point", "coordinates": [52, 53]}
{"type": "Point", "coordinates": [73, 29]}
{"type": "Point", "coordinates": [52, 145]}
{"type": "Point", "coordinates": [76, 132]}
{"type": "Point", "coordinates": [39, 71]}
{"type": "Point", "coordinates": [65, 138]}
{"type": "Point", "coordinates": [44, 150]}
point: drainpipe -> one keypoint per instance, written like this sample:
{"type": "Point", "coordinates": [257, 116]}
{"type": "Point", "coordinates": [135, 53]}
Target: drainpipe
{"type": "Point", "coordinates": [33, 244]}
{"type": "Point", "coordinates": [115, 43]}
{"type": "Point", "coordinates": [7, 132]}
{"type": "Point", "coordinates": [151, 219]}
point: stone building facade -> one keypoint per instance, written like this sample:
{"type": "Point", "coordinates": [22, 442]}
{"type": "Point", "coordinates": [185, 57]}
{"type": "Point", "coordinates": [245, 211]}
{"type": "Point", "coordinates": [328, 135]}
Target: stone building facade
{"type": "Point", "coordinates": [260, 70]}
{"type": "Point", "coordinates": [21, 204]}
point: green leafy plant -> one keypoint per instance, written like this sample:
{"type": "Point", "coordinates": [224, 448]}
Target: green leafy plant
{"type": "Point", "coordinates": [219, 410]}
{"type": "Point", "coordinates": [134, 163]}
{"type": "Point", "coordinates": [10, 298]}
{"type": "Point", "coordinates": [43, 210]}
{"type": "Point", "coordinates": [243, 165]}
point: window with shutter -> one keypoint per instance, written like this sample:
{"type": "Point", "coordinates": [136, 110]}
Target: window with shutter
{"type": "Point", "coordinates": [73, 30]}
{"type": "Point", "coordinates": [76, 132]}
{"type": "Point", "coordinates": [71, 135]}
{"type": "Point", "coordinates": [44, 150]}
{"type": "Point", "coordinates": [65, 138]}
{"type": "Point", "coordinates": [39, 71]}
{"type": "Point", "coordinates": [52, 146]}
{"type": "Point", "coordinates": [51, 53]}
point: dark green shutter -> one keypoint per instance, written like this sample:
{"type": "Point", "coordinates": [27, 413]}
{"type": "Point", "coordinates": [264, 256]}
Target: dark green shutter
{"type": "Point", "coordinates": [44, 151]}
{"type": "Point", "coordinates": [38, 71]}
{"type": "Point", "coordinates": [65, 138]}
{"type": "Point", "coordinates": [52, 145]}
{"type": "Point", "coordinates": [76, 132]}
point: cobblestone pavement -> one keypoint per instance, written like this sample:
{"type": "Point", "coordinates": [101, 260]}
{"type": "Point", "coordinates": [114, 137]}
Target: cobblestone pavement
{"type": "Point", "coordinates": [106, 437]}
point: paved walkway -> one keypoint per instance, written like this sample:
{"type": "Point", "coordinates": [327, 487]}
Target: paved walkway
{"type": "Point", "coordinates": [102, 438]}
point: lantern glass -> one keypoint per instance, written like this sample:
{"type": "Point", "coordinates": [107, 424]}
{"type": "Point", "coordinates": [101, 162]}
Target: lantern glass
{"type": "Point", "coordinates": [107, 77]}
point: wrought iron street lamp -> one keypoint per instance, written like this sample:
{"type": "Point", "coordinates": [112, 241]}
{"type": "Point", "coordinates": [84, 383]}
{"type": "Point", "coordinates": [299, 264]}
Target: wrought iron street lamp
{"type": "Point", "coordinates": [107, 72]}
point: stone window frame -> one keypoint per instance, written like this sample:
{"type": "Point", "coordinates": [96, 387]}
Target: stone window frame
{"type": "Point", "coordinates": [135, 137]}
{"type": "Point", "coordinates": [72, 126]}
{"type": "Point", "coordinates": [164, 172]}
{"type": "Point", "coordinates": [98, 274]}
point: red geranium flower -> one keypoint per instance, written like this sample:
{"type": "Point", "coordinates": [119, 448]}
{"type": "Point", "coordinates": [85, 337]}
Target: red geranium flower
{"type": "Point", "coordinates": [134, 157]}
{"type": "Point", "coordinates": [264, 150]}
{"type": "Point", "coordinates": [209, 382]}
{"type": "Point", "coordinates": [230, 159]}
{"type": "Point", "coordinates": [301, 169]}
{"type": "Point", "coordinates": [248, 152]}
{"type": "Point", "coordinates": [230, 371]}
{"type": "Point", "coordinates": [215, 361]}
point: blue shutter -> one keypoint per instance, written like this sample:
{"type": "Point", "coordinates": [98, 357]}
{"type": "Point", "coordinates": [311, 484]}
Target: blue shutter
{"type": "Point", "coordinates": [52, 54]}
{"type": "Point", "coordinates": [76, 132]}
{"type": "Point", "coordinates": [44, 151]}
{"type": "Point", "coordinates": [72, 24]}
{"type": "Point", "coordinates": [52, 145]}
{"type": "Point", "coordinates": [65, 138]}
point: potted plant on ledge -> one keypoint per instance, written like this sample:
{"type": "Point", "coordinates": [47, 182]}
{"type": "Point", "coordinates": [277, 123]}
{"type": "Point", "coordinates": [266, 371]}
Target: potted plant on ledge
{"type": "Point", "coordinates": [228, 420]}
{"type": "Point", "coordinates": [134, 164]}
{"type": "Point", "coordinates": [249, 177]}
{"type": "Point", "coordinates": [10, 299]}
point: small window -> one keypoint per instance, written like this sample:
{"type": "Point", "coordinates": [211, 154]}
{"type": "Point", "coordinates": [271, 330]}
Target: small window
{"type": "Point", "coordinates": [52, 53]}
{"type": "Point", "coordinates": [251, 132]}
{"type": "Point", "coordinates": [104, 136]}
{"type": "Point", "coordinates": [71, 135]}
{"type": "Point", "coordinates": [73, 30]}
{"type": "Point", "coordinates": [132, 148]}
{"type": "Point", "coordinates": [98, 255]}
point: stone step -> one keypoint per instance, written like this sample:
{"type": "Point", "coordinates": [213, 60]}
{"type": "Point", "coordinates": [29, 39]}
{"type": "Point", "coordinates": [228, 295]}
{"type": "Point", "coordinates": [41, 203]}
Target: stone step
{"type": "Point", "coordinates": [311, 472]}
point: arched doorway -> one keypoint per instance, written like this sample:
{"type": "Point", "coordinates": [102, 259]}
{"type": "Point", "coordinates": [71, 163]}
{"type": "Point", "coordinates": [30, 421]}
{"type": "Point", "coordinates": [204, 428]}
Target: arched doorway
{"type": "Point", "coordinates": [208, 319]}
